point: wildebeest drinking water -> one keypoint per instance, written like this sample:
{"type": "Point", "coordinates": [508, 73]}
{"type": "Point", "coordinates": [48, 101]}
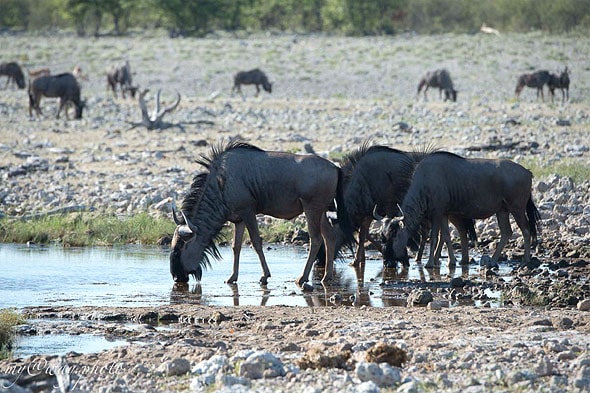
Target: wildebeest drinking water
{"type": "Point", "coordinates": [446, 184]}
{"type": "Point", "coordinates": [561, 82]}
{"type": "Point", "coordinates": [14, 73]}
{"type": "Point", "coordinates": [253, 77]}
{"type": "Point", "coordinates": [442, 80]}
{"type": "Point", "coordinates": [535, 80]}
{"type": "Point", "coordinates": [376, 179]}
{"type": "Point", "coordinates": [241, 181]}
{"type": "Point", "coordinates": [64, 86]}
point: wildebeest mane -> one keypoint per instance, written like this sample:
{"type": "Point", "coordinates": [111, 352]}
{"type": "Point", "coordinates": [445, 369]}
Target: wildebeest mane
{"type": "Point", "coordinates": [219, 149]}
{"type": "Point", "coordinates": [349, 161]}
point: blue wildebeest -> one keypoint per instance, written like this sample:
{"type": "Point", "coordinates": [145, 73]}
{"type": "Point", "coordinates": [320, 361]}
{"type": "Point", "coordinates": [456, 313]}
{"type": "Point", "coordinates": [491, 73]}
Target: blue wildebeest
{"type": "Point", "coordinates": [561, 82]}
{"type": "Point", "coordinates": [241, 181]}
{"type": "Point", "coordinates": [121, 75]}
{"type": "Point", "coordinates": [440, 79]}
{"type": "Point", "coordinates": [445, 184]}
{"type": "Point", "coordinates": [535, 80]}
{"type": "Point", "coordinates": [376, 179]}
{"type": "Point", "coordinates": [14, 73]}
{"type": "Point", "coordinates": [64, 86]}
{"type": "Point", "coordinates": [253, 77]}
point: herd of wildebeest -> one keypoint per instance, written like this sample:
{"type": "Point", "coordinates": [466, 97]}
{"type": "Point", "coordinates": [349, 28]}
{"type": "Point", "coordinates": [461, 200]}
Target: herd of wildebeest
{"type": "Point", "coordinates": [66, 86]}
{"type": "Point", "coordinates": [413, 194]}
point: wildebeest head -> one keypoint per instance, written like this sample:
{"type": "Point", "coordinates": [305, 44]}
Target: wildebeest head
{"type": "Point", "coordinates": [193, 242]}
{"type": "Point", "coordinates": [266, 85]}
{"type": "Point", "coordinates": [451, 94]}
{"type": "Point", "coordinates": [184, 250]}
{"type": "Point", "coordinates": [395, 237]}
{"type": "Point", "coordinates": [79, 108]}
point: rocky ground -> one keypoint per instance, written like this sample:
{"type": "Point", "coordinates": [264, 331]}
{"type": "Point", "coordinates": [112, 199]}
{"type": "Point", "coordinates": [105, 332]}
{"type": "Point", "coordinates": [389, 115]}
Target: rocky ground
{"type": "Point", "coordinates": [329, 94]}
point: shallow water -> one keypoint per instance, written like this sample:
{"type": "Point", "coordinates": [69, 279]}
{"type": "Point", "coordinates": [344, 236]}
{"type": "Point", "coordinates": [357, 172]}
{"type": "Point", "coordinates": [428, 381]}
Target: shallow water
{"type": "Point", "coordinates": [60, 344]}
{"type": "Point", "coordinates": [139, 276]}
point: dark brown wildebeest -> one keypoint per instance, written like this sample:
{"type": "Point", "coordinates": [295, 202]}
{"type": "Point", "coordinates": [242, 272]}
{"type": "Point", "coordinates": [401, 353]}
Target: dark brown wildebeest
{"type": "Point", "coordinates": [376, 178]}
{"type": "Point", "coordinates": [535, 80]}
{"type": "Point", "coordinates": [253, 77]}
{"type": "Point", "coordinates": [445, 184]}
{"type": "Point", "coordinates": [440, 79]}
{"type": "Point", "coordinates": [241, 181]}
{"type": "Point", "coordinates": [65, 86]}
{"type": "Point", "coordinates": [14, 73]}
{"type": "Point", "coordinates": [121, 76]}
{"type": "Point", "coordinates": [561, 82]}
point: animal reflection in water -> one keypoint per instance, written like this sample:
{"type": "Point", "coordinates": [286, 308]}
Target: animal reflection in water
{"type": "Point", "coordinates": [241, 181]}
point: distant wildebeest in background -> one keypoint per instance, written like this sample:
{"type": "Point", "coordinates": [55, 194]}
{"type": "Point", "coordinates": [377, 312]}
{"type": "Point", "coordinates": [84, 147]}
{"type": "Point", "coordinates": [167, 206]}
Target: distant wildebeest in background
{"type": "Point", "coordinates": [253, 77]}
{"type": "Point", "coordinates": [535, 80]}
{"type": "Point", "coordinates": [445, 184]}
{"type": "Point", "coordinates": [63, 86]}
{"type": "Point", "coordinates": [14, 73]}
{"type": "Point", "coordinates": [121, 76]}
{"type": "Point", "coordinates": [440, 79]}
{"type": "Point", "coordinates": [79, 74]}
{"type": "Point", "coordinates": [39, 72]}
{"type": "Point", "coordinates": [242, 181]}
{"type": "Point", "coordinates": [562, 82]}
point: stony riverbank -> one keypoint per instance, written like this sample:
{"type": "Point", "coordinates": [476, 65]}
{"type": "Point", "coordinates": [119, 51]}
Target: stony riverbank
{"type": "Point", "coordinates": [329, 95]}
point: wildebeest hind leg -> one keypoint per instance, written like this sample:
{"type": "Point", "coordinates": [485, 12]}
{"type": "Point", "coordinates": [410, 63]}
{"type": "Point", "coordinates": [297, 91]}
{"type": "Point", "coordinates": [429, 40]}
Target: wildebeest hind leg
{"type": "Point", "coordinates": [250, 221]}
{"type": "Point", "coordinates": [359, 256]}
{"type": "Point", "coordinates": [329, 237]}
{"type": "Point", "coordinates": [505, 233]}
{"type": "Point", "coordinates": [446, 239]}
{"type": "Point", "coordinates": [434, 240]}
{"type": "Point", "coordinates": [237, 248]}
{"type": "Point", "coordinates": [523, 224]}
{"type": "Point", "coordinates": [315, 239]}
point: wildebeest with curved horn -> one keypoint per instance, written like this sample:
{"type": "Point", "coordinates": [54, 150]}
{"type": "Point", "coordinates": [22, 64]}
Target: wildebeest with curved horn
{"type": "Point", "coordinates": [561, 82]}
{"type": "Point", "coordinates": [65, 86]}
{"type": "Point", "coordinates": [442, 80]}
{"type": "Point", "coordinates": [14, 73]}
{"type": "Point", "coordinates": [535, 80]}
{"type": "Point", "coordinates": [253, 77]}
{"type": "Point", "coordinates": [241, 181]}
{"type": "Point", "coordinates": [446, 184]}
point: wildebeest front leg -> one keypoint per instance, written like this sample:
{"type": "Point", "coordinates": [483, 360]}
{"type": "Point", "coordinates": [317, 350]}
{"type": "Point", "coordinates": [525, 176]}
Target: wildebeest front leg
{"type": "Point", "coordinates": [446, 238]}
{"type": "Point", "coordinates": [236, 247]}
{"type": "Point", "coordinates": [250, 221]}
{"type": "Point", "coordinates": [505, 233]}
{"type": "Point", "coordinates": [464, 241]}
{"type": "Point", "coordinates": [257, 90]}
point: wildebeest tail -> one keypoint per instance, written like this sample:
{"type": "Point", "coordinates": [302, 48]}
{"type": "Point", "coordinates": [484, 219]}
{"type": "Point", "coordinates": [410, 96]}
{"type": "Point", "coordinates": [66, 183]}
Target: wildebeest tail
{"type": "Point", "coordinates": [534, 220]}
{"type": "Point", "coordinates": [344, 221]}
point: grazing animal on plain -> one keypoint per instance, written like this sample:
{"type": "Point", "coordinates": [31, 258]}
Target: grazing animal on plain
{"type": "Point", "coordinates": [79, 74]}
{"type": "Point", "coordinates": [535, 80]}
{"type": "Point", "coordinates": [64, 86]}
{"type": "Point", "coordinates": [242, 181]}
{"type": "Point", "coordinates": [376, 179]}
{"type": "Point", "coordinates": [442, 80]}
{"type": "Point", "coordinates": [14, 73]}
{"type": "Point", "coordinates": [253, 77]}
{"type": "Point", "coordinates": [34, 74]}
{"type": "Point", "coordinates": [561, 82]}
{"type": "Point", "coordinates": [445, 184]}
{"type": "Point", "coordinates": [121, 76]}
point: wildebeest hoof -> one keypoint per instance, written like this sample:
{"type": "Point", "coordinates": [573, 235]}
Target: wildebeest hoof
{"type": "Point", "coordinates": [263, 280]}
{"type": "Point", "coordinates": [307, 287]}
{"type": "Point", "coordinates": [231, 280]}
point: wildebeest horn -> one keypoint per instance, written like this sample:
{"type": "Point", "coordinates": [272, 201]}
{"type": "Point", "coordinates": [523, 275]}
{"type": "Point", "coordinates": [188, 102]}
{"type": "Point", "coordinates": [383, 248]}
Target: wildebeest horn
{"type": "Point", "coordinates": [376, 215]}
{"type": "Point", "coordinates": [176, 220]}
{"type": "Point", "coordinates": [188, 223]}
{"type": "Point", "coordinates": [401, 211]}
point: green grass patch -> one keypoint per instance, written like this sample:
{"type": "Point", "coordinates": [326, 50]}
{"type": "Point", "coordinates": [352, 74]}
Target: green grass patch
{"type": "Point", "coordinates": [577, 170]}
{"type": "Point", "coordinates": [8, 320]}
{"type": "Point", "coordinates": [83, 229]}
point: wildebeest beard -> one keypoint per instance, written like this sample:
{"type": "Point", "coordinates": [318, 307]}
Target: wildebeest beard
{"type": "Point", "coordinates": [205, 208]}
